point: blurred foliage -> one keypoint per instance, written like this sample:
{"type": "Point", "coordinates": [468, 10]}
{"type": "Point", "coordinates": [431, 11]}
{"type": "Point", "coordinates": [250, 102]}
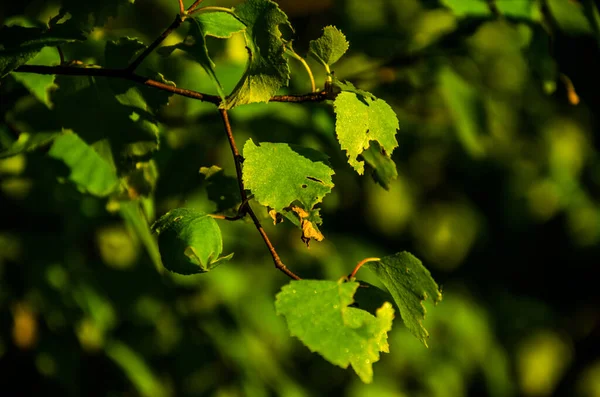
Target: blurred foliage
{"type": "Point", "coordinates": [498, 191]}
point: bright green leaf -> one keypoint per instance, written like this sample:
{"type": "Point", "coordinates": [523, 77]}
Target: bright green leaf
{"type": "Point", "coordinates": [40, 84]}
{"type": "Point", "coordinates": [383, 168]}
{"type": "Point", "coordinates": [88, 170]}
{"type": "Point", "coordinates": [220, 24]}
{"type": "Point", "coordinates": [19, 44]}
{"type": "Point", "coordinates": [410, 283]}
{"type": "Point", "coordinates": [318, 313]}
{"type": "Point", "coordinates": [360, 120]}
{"type": "Point", "coordinates": [267, 68]}
{"type": "Point", "coordinates": [330, 47]}
{"type": "Point", "coordinates": [189, 241]}
{"type": "Point", "coordinates": [523, 9]}
{"type": "Point", "coordinates": [279, 174]}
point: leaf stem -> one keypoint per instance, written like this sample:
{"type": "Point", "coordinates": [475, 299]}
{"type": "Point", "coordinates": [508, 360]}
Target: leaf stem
{"type": "Point", "coordinates": [174, 25]}
{"type": "Point", "coordinates": [181, 8]}
{"type": "Point", "coordinates": [212, 9]}
{"type": "Point", "coordinates": [293, 54]}
{"type": "Point", "coordinates": [238, 168]}
{"type": "Point", "coordinates": [359, 265]}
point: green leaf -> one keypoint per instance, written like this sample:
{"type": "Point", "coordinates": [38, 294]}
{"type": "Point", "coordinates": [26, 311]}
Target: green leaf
{"type": "Point", "coordinates": [330, 47]}
{"type": "Point", "coordinates": [135, 219]}
{"type": "Point", "coordinates": [29, 142]}
{"type": "Point", "coordinates": [575, 18]}
{"type": "Point", "coordinates": [189, 241]}
{"type": "Point", "coordinates": [267, 68]}
{"type": "Point", "coordinates": [19, 44]}
{"type": "Point", "coordinates": [88, 170]}
{"type": "Point", "coordinates": [220, 24]}
{"type": "Point", "coordinates": [465, 107]}
{"type": "Point", "coordinates": [349, 87]}
{"type": "Point", "coordinates": [410, 283]}
{"type": "Point", "coordinates": [383, 168]}
{"type": "Point", "coordinates": [119, 54]}
{"type": "Point", "coordinates": [103, 113]}
{"type": "Point", "coordinates": [40, 84]}
{"type": "Point", "coordinates": [195, 46]}
{"type": "Point", "coordinates": [288, 179]}
{"type": "Point", "coordinates": [522, 9]}
{"type": "Point", "coordinates": [360, 120]}
{"type": "Point", "coordinates": [318, 313]}
{"type": "Point", "coordinates": [277, 174]}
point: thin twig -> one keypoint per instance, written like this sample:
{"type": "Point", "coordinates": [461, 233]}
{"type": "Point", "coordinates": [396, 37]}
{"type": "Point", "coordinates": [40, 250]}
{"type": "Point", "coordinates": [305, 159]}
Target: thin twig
{"type": "Point", "coordinates": [181, 7]}
{"type": "Point", "coordinates": [359, 265]}
{"type": "Point", "coordinates": [116, 73]}
{"type": "Point", "coordinates": [193, 6]}
{"type": "Point", "coordinates": [238, 168]}
{"type": "Point", "coordinates": [174, 25]}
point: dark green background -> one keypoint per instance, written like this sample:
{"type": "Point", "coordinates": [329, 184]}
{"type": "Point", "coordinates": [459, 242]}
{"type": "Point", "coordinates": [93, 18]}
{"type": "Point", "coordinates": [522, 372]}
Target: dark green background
{"type": "Point", "coordinates": [498, 193]}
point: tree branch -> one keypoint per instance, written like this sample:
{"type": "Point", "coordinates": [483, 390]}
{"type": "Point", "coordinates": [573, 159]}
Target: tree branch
{"type": "Point", "coordinates": [238, 168]}
{"type": "Point", "coordinates": [116, 73]}
{"type": "Point", "coordinates": [88, 70]}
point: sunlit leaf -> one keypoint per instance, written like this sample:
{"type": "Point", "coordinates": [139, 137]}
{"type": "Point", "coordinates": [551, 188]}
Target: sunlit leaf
{"type": "Point", "coordinates": [410, 283]}
{"type": "Point", "coordinates": [318, 313]}
{"type": "Point", "coordinates": [189, 241]}
{"type": "Point", "coordinates": [90, 172]}
{"type": "Point", "coordinates": [267, 68]}
{"type": "Point", "coordinates": [280, 175]}
{"type": "Point", "coordinates": [330, 47]}
{"type": "Point", "coordinates": [360, 120]}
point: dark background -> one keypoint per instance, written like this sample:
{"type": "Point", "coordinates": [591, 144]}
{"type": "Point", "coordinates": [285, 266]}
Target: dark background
{"type": "Point", "coordinates": [498, 193]}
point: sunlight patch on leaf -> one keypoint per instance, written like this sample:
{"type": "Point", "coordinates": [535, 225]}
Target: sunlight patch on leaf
{"type": "Point", "coordinates": [318, 313]}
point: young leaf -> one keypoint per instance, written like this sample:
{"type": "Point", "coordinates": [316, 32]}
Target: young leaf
{"type": "Point", "coordinates": [410, 283]}
{"type": "Point", "coordinates": [217, 24]}
{"type": "Point", "coordinates": [360, 120]}
{"type": "Point", "coordinates": [330, 47]}
{"type": "Point", "coordinates": [19, 44]}
{"type": "Point", "coordinates": [318, 313]}
{"type": "Point", "coordinates": [267, 68]}
{"type": "Point", "coordinates": [189, 241]}
{"type": "Point", "coordinates": [279, 174]}
{"type": "Point", "coordinates": [90, 172]}
{"type": "Point", "coordinates": [383, 167]}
